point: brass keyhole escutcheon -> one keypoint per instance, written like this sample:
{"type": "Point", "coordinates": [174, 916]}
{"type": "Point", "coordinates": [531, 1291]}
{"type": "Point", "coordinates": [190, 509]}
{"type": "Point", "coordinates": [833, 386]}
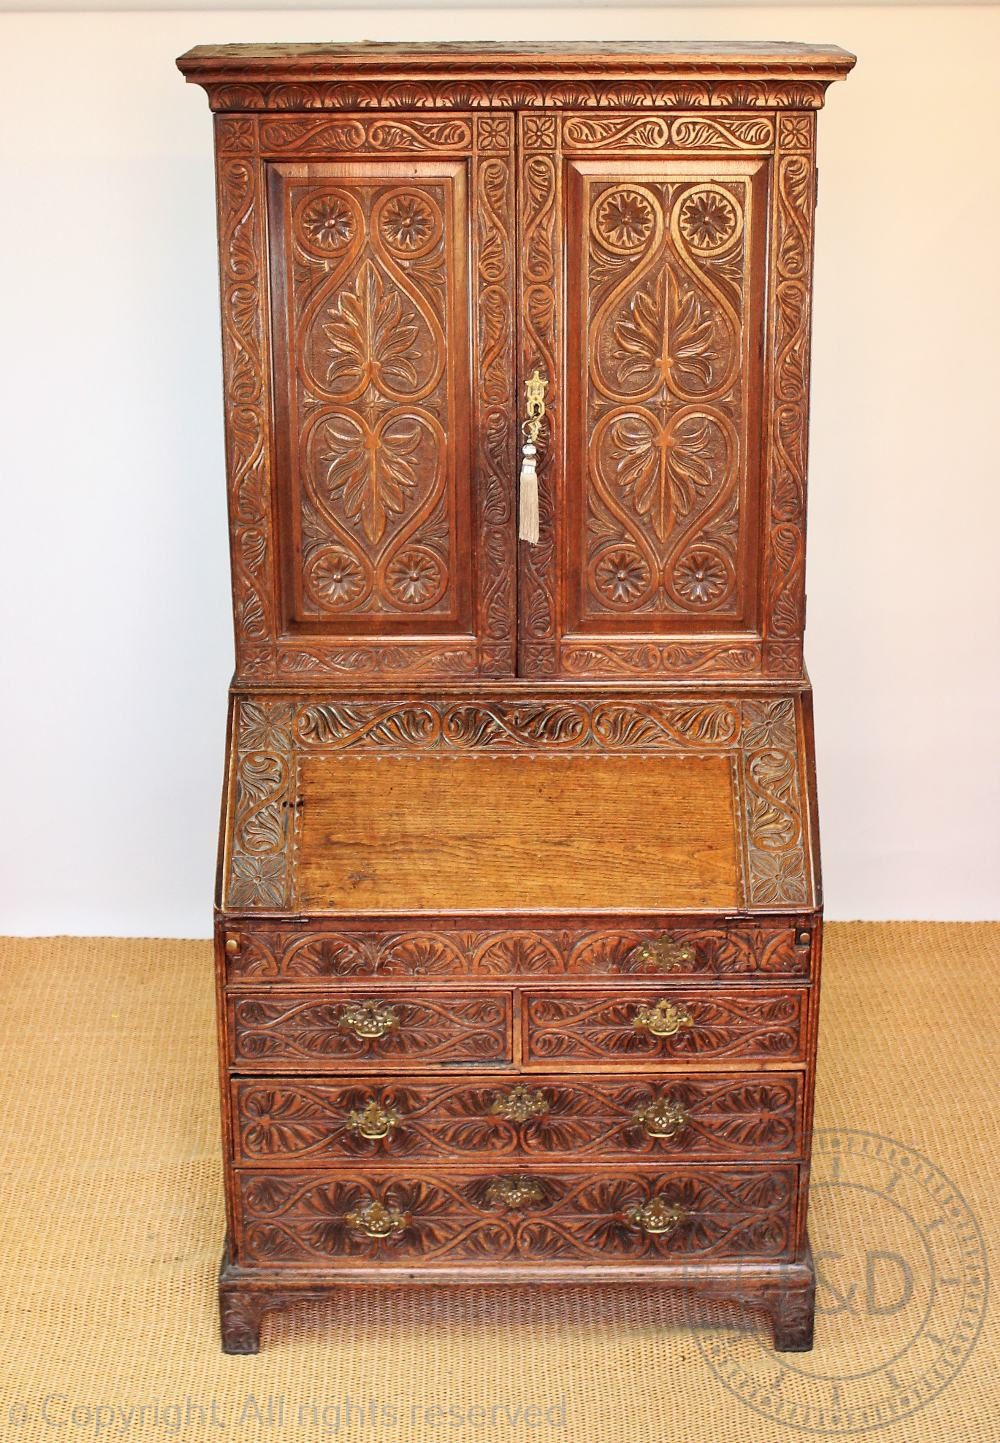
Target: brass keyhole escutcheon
{"type": "Point", "coordinates": [367, 1020]}
{"type": "Point", "coordinates": [373, 1121]}
{"type": "Point", "coordinates": [663, 1019]}
{"type": "Point", "coordinates": [666, 954]}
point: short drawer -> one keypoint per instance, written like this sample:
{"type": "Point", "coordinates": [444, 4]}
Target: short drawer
{"type": "Point", "coordinates": [666, 1025]}
{"type": "Point", "coordinates": [292, 1122]}
{"type": "Point", "coordinates": [269, 1032]}
{"type": "Point", "coordinates": [623, 1215]}
{"type": "Point", "coordinates": [276, 953]}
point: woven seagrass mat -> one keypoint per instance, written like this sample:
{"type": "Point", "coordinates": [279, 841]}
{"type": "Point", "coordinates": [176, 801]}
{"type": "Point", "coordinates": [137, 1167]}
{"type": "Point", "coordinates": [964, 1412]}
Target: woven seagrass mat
{"type": "Point", "coordinates": [110, 1202]}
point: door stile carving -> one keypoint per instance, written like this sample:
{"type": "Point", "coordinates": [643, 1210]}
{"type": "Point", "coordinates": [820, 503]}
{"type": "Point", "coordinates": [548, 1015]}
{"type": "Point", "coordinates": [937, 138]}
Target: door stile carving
{"type": "Point", "coordinates": [540, 306]}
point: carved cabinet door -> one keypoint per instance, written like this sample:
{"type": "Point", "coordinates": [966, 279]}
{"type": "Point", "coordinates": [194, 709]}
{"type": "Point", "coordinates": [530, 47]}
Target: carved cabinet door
{"type": "Point", "coordinates": [671, 506]}
{"type": "Point", "coordinates": [372, 475]}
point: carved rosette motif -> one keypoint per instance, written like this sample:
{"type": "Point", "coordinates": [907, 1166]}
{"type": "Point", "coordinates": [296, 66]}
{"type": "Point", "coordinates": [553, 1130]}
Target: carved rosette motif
{"type": "Point", "coordinates": [789, 332]}
{"type": "Point", "coordinates": [759, 735]}
{"type": "Point", "coordinates": [283, 1120]}
{"type": "Point", "coordinates": [303, 1218]}
{"type": "Point", "coordinates": [665, 271]}
{"type": "Point", "coordinates": [279, 953]}
{"type": "Point", "coordinates": [582, 1029]}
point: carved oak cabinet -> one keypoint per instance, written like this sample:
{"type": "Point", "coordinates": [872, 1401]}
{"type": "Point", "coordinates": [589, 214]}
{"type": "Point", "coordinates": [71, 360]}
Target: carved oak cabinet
{"type": "Point", "coordinates": [518, 914]}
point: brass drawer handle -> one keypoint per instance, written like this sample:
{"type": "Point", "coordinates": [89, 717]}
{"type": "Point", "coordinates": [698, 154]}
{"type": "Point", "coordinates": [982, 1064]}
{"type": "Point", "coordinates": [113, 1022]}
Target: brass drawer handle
{"type": "Point", "coordinates": [367, 1019]}
{"type": "Point", "coordinates": [376, 1220]}
{"type": "Point", "coordinates": [662, 1118]}
{"type": "Point", "coordinates": [373, 1121]}
{"type": "Point", "coordinates": [514, 1192]}
{"type": "Point", "coordinates": [663, 1019]}
{"type": "Point", "coordinates": [666, 954]}
{"type": "Point", "coordinates": [519, 1104]}
{"type": "Point", "coordinates": [657, 1217]}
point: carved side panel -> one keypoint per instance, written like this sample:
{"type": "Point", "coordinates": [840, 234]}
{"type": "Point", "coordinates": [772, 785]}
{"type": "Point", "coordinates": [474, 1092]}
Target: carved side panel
{"type": "Point", "coordinates": [239, 180]}
{"type": "Point", "coordinates": [407, 1032]}
{"type": "Point", "coordinates": [588, 1029]}
{"type": "Point", "coordinates": [310, 1218]}
{"type": "Point", "coordinates": [789, 287]}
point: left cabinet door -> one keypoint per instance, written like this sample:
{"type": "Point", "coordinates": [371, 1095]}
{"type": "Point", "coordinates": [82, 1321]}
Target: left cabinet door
{"type": "Point", "coordinates": [368, 307]}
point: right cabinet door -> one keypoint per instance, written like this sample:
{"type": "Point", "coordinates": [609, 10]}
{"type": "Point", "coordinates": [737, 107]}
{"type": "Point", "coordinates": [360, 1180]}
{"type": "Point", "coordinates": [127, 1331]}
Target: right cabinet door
{"type": "Point", "coordinates": [658, 520]}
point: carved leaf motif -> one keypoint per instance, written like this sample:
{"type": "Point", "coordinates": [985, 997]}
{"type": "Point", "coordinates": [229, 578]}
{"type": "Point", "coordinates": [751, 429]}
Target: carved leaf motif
{"type": "Point", "coordinates": [374, 472]}
{"type": "Point", "coordinates": [372, 337]}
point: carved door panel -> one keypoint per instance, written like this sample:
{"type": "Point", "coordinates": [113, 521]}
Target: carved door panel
{"type": "Point", "coordinates": [393, 376]}
{"type": "Point", "coordinates": [646, 237]}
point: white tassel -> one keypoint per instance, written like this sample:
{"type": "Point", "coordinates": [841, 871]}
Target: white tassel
{"type": "Point", "coordinates": [528, 511]}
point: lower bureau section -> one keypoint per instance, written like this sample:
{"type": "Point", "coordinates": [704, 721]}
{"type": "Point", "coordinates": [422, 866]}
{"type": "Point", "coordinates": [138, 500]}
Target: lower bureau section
{"type": "Point", "coordinates": [464, 1216]}
{"type": "Point", "coordinates": [305, 1121]}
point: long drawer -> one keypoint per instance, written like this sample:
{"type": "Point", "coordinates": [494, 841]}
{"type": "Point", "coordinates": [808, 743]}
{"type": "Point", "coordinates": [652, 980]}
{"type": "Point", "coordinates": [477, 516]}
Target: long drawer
{"type": "Point", "coordinates": [464, 1216]}
{"type": "Point", "coordinates": [406, 1030]}
{"type": "Point", "coordinates": [293, 1122]}
{"type": "Point", "coordinates": [661, 1026]}
{"type": "Point", "coordinates": [273, 953]}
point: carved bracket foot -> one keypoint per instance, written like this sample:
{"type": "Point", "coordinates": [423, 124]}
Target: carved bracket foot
{"type": "Point", "coordinates": [792, 1308]}
{"type": "Point", "coordinates": [240, 1315]}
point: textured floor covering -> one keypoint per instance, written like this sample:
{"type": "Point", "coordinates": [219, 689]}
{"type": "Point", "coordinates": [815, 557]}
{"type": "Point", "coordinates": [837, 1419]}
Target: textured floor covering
{"type": "Point", "coordinates": [111, 1205]}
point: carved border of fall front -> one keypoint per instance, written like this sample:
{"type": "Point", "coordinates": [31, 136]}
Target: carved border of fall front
{"type": "Point", "coordinates": [760, 736]}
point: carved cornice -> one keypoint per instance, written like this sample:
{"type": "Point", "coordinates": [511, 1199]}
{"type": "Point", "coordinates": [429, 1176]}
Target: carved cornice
{"type": "Point", "coordinates": [316, 77]}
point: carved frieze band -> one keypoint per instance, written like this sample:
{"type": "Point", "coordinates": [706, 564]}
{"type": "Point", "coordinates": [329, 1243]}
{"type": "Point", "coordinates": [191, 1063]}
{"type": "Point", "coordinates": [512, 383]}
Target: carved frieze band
{"type": "Point", "coordinates": [583, 133]}
{"type": "Point", "coordinates": [519, 94]}
{"type": "Point", "coordinates": [760, 735]}
{"type": "Point", "coordinates": [789, 328]}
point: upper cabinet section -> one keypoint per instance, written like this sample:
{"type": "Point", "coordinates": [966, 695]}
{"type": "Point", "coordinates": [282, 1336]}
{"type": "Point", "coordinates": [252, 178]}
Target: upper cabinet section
{"type": "Point", "coordinates": [407, 234]}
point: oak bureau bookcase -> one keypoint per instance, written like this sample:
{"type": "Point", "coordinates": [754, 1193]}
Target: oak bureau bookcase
{"type": "Point", "coordinates": [518, 915]}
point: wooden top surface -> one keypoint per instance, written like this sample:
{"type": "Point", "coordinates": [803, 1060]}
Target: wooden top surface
{"type": "Point", "coordinates": [365, 806]}
{"type": "Point", "coordinates": [777, 53]}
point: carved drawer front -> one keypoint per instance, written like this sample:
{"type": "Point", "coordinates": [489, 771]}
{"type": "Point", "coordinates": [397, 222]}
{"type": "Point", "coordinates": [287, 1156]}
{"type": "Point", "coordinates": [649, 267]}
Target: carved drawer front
{"type": "Point", "coordinates": [403, 1032]}
{"type": "Point", "coordinates": [740, 1117]}
{"type": "Point", "coordinates": [666, 1025]}
{"type": "Point", "coordinates": [464, 1216]}
{"type": "Point", "coordinates": [273, 953]}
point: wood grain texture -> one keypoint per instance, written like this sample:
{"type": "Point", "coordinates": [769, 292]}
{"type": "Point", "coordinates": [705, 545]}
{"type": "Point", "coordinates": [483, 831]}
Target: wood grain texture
{"type": "Point", "coordinates": [513, 833]}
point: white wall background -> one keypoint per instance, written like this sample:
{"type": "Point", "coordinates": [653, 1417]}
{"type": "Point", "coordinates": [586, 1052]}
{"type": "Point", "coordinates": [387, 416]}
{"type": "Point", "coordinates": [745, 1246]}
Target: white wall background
{"type": "Point", "coordinates": [116, 635]}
